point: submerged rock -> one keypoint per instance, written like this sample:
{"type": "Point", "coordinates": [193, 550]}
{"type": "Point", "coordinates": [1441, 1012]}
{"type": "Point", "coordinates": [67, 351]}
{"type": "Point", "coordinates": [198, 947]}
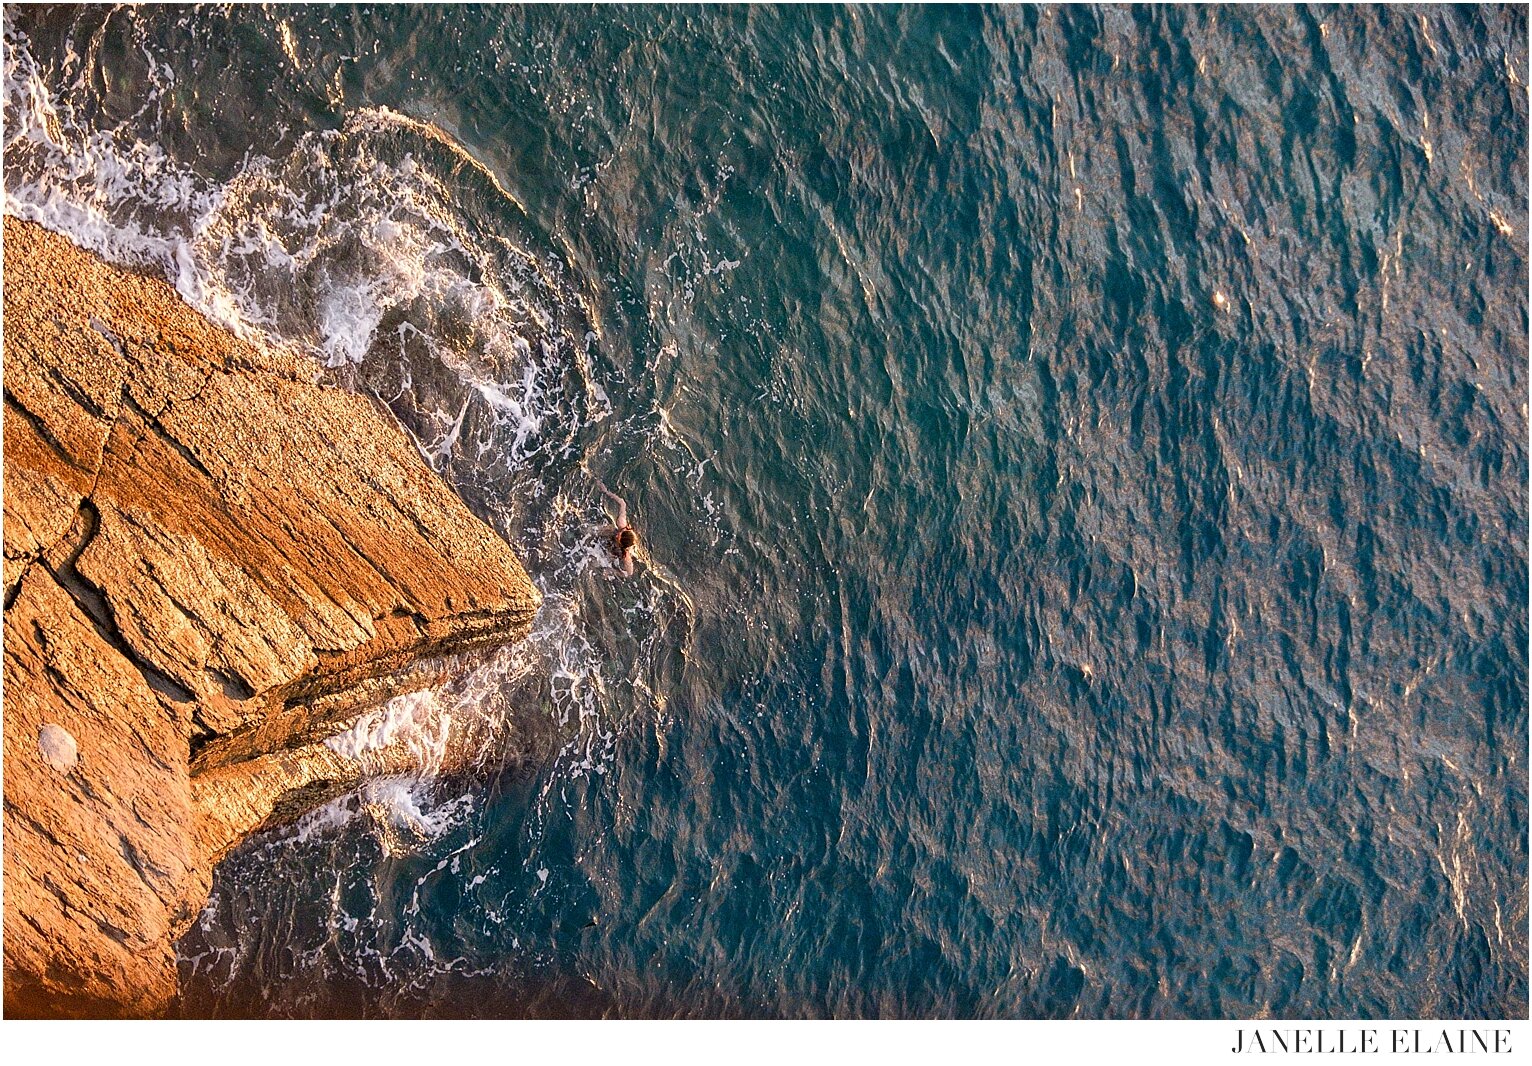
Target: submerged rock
{"type": "Point", "coordinates": [211, 565]}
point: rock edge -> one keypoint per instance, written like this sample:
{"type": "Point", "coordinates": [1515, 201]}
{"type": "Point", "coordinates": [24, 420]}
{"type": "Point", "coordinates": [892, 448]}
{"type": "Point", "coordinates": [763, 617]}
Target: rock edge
{"type": "Point", "coordinates": [211, 564]}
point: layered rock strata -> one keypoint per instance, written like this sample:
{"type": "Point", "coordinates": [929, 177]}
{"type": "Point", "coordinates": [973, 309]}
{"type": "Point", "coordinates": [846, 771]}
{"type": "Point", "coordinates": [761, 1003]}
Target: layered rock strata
{"type": "Point", "coordinates": [212, 563]}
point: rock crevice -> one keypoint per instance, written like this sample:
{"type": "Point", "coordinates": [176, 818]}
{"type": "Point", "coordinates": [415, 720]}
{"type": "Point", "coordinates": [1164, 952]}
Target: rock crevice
{"type": "Point", "coordinates": [211, 564]}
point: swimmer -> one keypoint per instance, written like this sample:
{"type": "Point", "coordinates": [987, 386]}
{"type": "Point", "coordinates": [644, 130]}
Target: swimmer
{"type": "Point", "coordinates": [624, 540]}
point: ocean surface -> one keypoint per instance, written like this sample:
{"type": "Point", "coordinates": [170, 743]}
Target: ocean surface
{"type": "Point", "coordinates": [1080, 456]}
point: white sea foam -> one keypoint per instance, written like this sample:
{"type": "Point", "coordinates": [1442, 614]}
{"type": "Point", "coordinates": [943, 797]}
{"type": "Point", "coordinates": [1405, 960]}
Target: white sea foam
{"type": "Point", "coordinates": [317, 249]}
{"type": "Point", "coordinates": [417, 721]}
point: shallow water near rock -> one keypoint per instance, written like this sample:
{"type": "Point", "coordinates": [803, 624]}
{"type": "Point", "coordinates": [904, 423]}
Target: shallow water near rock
{"type": "Point", "coordinates": [1080, 456]}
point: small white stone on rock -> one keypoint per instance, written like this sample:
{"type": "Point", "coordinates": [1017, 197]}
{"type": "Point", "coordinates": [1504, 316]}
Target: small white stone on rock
{"type": "Point", "coordinates": [58, 748]}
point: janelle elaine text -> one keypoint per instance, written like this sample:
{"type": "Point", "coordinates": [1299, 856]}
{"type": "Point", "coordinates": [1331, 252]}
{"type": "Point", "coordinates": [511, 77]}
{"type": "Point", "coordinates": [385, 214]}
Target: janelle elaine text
{"type": "Point", "coordinates": [1342, 1041]}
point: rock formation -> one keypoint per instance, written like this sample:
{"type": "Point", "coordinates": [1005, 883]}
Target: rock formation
{"type": "Point", "coordinates": [212, 563]}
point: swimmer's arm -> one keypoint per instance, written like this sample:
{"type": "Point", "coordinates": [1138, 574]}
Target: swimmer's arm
{"type": "Point", "coordinates": [622, 505]}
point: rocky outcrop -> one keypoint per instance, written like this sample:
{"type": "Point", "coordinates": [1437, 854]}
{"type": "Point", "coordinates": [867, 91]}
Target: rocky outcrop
{"type": "Point", "coordinates": [212, 563]}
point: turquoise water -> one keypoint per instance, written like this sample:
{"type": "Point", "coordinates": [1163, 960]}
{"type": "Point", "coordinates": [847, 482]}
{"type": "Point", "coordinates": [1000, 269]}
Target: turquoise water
{"type": "Point", "coordinates": [1080, 455]}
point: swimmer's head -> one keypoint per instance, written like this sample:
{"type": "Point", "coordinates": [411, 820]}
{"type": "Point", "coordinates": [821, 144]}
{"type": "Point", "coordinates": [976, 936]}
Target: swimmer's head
{"type": "Point", "coordinates": [626, 539]}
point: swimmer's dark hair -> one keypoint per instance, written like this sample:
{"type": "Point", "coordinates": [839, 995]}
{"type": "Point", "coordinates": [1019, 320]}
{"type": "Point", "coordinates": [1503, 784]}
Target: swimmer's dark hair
{"type": "Point", "coordinates": [625, 539]}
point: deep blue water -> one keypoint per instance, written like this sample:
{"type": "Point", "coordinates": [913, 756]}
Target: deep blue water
{"type": "Point", "coordinates": [1081, 456]}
